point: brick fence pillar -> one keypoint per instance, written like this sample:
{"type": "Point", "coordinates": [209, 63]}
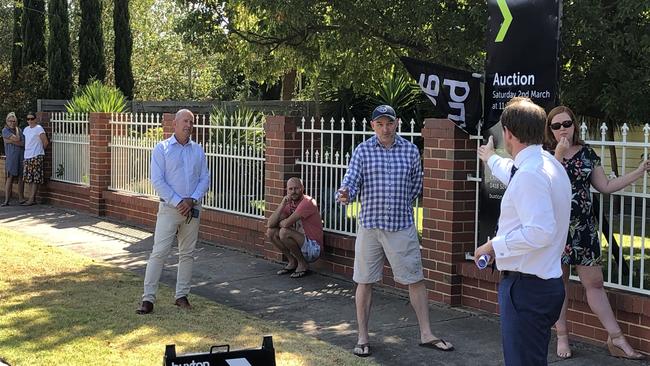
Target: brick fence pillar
{"type": "Point", "coordinates": [100, 161]}
{"type": "Point", "coordinates": [168, 125]}
{"type": "Point", "coordinates": [449, 207]}
{"type": "Point", "coordinates": [282, 149]}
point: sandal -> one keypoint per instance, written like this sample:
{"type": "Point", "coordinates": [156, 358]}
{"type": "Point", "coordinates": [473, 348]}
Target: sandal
{"type": "Point", "coordinates": [362, 350]}
{"type": "Point", "coordinates": [299, 274]}
{"type": "Point", "coordinates": [285, 271]}
{"type": "Point", "coordinates": [617, 351]}
{"type": "Point", "coordinates": [564, 352]}
{"type": "Point", "coordinates": [438, 344]}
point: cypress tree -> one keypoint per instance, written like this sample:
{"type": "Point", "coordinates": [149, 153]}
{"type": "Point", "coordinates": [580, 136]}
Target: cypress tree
{"type": "Point", "coordinates": [91, 42]}
{"type": "Point", "coordinates": [17, 45]}
{"type": "Point", "coordinates": [59, 60]}
{"type": "Point", "coordinates": [34, 32]}
{"type": "Point", "coordinates": [123, 48]}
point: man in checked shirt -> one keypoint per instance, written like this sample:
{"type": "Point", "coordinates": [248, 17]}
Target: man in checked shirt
{"type": "Point", "coordinates": [385, 173]}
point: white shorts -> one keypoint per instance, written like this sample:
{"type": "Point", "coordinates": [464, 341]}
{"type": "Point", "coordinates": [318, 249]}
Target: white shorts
{"type": "Point", "coordinates": [401, 248]}
{"type": "Point", "coordinates": [310, 250]}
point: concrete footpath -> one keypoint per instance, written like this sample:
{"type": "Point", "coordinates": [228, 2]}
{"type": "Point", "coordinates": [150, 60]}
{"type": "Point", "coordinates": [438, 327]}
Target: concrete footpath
{"type": "Point", "coordinates": [318, 305]}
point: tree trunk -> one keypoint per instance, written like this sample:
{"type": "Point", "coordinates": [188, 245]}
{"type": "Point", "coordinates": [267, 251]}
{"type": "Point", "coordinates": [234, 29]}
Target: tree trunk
{"type": "Point", "coordinates": [288, 85]}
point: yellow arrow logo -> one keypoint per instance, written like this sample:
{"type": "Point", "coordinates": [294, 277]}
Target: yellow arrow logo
{"type": "Point", "coordinates": [507, 19]}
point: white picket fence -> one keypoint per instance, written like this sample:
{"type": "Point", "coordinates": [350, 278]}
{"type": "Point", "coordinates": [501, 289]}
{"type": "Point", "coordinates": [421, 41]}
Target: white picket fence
{"type": "Point", "coordinates": [234, 148]}
{"type": "Point", "coordinates": [133, 137]}
{"type": "Point", "coordinates": [70, 148]}
{"type": "Point", "coordinates": [623, 215]}
{"type": "Point", "coordinates": [234, 151]}
{"type": "Point", "coordinates": [326, 149]}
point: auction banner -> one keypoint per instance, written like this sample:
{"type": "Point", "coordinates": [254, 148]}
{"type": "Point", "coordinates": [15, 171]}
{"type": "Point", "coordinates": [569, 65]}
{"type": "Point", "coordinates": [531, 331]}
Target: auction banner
{"type": "Point", "coordinates": [522, 54]}
{"type": "Point", "coordinates": [522, 61]}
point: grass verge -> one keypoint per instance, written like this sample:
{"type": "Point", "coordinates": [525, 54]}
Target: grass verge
{"type": "Point", "coordinates": [60, 308]}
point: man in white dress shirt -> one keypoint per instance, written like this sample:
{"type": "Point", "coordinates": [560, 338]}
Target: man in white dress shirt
{"type": "Point", "coordinates": [532, 230]}
{"type": "Point", "coordinates": [179, 173]}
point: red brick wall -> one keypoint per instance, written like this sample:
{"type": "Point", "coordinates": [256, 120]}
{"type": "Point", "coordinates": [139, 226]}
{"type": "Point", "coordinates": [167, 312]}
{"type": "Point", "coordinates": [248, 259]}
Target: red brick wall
{"type": "Point", "coordinates": [632, 311]}
{"type": "Point", "coordinates": [449, 206]}
{"type": "Point", "coordinates": [68, 195]}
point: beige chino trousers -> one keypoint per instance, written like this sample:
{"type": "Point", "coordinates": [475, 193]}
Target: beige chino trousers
{"type": "Point", "coordinates": [169, 225]}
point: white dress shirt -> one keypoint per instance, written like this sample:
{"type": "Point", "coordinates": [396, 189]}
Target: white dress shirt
{"type": "Point", "coordinates": [179, 171]}
{"type": "Point", "coordinates": [535, 211]}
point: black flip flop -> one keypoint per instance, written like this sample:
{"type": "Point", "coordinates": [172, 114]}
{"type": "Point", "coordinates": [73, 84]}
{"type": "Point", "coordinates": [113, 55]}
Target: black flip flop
{"type": "Point", "coordinates": [299, 274]}
{"type": "Point", "coordinates": [362, 350]}
{"type": "Point", "coordinates": [285, 271]}
{"type": "Point", "coordinates": [437, 344]}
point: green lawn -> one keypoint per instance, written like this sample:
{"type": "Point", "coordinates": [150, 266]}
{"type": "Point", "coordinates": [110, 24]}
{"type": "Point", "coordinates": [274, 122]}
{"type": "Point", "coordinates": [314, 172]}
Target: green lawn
{"type": "Point", "coordinates": [626, 244]}
{"type": "Point", "coordinates": [59, 308]}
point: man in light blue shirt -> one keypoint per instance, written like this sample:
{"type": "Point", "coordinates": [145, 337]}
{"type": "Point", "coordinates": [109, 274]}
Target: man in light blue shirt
{"type": "Point", "coordinates": [386, 174]}
{"type": "Point", "coordinates": [179, 173]}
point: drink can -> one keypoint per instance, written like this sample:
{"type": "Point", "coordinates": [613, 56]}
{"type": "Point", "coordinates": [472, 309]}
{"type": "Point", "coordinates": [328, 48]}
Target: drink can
{"type": "Point", "coordinates": [483, 261]}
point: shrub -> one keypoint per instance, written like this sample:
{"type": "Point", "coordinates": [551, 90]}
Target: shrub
{"type": "Point", "coordinates": [97, 97]}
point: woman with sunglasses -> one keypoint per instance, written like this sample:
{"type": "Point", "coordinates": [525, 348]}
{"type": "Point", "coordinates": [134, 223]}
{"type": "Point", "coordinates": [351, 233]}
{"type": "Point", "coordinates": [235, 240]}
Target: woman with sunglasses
{"type": "Point", "coordinates": [583, 245]}
{"type": "Point", "coordinates": [14, 142]}
{"type": "Point", "coordinates": [35, 144]}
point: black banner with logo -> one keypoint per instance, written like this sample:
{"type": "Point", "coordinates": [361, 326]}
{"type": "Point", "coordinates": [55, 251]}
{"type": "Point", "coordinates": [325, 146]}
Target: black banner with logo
{"type": "Point", "coordinates": [522, 54]}
{"type": "Point", "coordinates": [522, 60]}
{"type": "Point", "coordinates": [455, 93]}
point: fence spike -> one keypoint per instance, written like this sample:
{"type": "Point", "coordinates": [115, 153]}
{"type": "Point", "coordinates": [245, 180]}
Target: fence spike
{"type": "Point", "coordinates": [624, 129]}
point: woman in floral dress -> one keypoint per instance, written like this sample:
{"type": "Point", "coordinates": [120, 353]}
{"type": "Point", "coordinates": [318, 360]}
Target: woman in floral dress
{"type": "Point", "coordinates": [583, 245]}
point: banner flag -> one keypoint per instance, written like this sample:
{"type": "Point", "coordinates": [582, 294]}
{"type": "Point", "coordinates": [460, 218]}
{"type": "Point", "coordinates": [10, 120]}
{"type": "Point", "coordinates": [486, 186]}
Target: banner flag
{"type": "Point", "coordinates": [522, 61]}
{"type": "Point", "coordinates": [454, 93]}
{"type": "Point", "coordinates": [522, 54]}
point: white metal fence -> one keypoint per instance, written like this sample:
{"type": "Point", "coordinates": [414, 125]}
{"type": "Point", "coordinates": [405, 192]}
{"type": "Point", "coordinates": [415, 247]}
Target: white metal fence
{"type": "Point", "coordinates": [234, 148]}
{"type": "Point", "coordinates": [133, 137]}
{"type": "Point", "coordinates": [623, 215]}
{"type": "Point", "coordinates": [70, 148]}
{"type": "Point", "coordinates": [326, 149]}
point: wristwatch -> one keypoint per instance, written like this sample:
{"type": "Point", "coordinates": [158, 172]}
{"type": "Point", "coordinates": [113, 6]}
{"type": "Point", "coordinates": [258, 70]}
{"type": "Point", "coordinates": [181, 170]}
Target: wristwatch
{"type": "Point", "coordinates": [194, 202]}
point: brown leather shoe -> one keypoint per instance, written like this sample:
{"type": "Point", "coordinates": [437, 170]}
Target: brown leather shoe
{"type": "Point", "coordinates": [182, 303]}
{"type": "Point", "coordinates": [145, 308]}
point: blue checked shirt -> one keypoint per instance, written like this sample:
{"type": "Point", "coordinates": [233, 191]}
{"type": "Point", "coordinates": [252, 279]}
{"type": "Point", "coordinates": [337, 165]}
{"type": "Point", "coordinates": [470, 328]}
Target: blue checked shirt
{"type": "Point", "coordinates": [388, 181]}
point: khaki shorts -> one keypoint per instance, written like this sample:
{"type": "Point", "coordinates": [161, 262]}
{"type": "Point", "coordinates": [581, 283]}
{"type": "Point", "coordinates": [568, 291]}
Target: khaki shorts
{"type": "Point", "coordinates": [401, 248]}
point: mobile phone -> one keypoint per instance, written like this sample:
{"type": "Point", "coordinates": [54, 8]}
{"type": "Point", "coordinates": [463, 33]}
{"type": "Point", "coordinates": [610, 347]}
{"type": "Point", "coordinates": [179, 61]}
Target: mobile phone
{"type": "Point", "coordinates": [195, 213]}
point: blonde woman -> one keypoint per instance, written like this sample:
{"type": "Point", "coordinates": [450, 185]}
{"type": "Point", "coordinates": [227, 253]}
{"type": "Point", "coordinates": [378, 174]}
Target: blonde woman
{"type": "Point", "coordinates": [14, 142]}
{"type": "Point", "coordinates": [582, 249]}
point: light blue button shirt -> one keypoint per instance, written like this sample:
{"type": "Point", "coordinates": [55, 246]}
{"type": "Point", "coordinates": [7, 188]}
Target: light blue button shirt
{"type": "Point", "coordinates": [179, 171]}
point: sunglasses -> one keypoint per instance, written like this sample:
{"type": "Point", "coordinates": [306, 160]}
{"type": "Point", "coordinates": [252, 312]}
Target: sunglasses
{"type": "Point", "coordinates": [31, 118]}
{"type": "Point", "coordinates": [566, 124]}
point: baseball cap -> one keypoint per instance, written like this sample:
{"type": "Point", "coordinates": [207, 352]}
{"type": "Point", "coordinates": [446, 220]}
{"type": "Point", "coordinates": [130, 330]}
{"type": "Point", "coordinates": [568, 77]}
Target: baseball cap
{"type": "Point", "coordinates": [384, 111]}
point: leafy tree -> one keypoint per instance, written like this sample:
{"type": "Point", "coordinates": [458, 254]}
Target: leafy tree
{"type": "Point", "coordinates": [59, 58]}
{"type": "Point", "coordinates": [347, 43]}
{"type": "Point", "coordinates": [91, 42]}
{"type": "Point", "coordinates": [123, 48]}
{"type": "Point", "coordinates": [17, 44]}
{"type": "Point", "coordinates": [604, 58]}
{"type": "Point", "coordinates": [34, 32]}
{"type": "Point", "coordinates": [605, 55]}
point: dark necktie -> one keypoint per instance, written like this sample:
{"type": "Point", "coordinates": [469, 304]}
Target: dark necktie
{"type": "Point", "coordinates": [513, 170]}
